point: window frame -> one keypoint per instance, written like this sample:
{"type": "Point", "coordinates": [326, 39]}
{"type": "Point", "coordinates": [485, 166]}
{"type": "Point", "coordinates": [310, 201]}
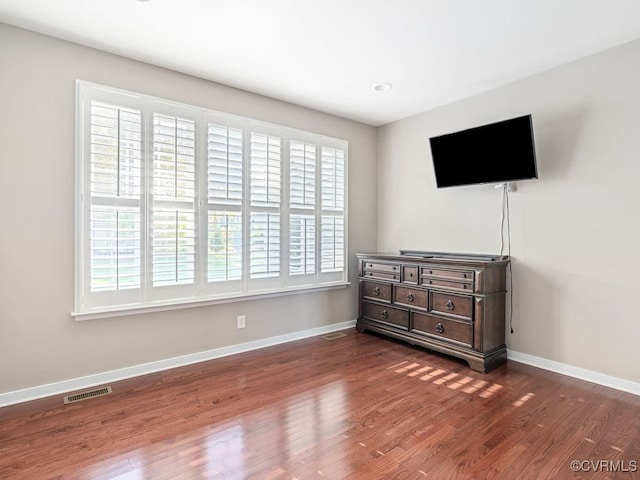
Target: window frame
{"type": "Point", "coordinates": [203, 291]}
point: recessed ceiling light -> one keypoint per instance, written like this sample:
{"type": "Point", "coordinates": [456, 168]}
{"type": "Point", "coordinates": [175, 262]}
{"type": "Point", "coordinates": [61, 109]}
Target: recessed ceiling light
{"type": "Point", "coordinates": [383, 87]}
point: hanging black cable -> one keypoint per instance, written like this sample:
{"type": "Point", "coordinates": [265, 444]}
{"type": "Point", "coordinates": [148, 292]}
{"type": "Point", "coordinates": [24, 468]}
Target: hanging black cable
{"type": "Point", "coordinates": [506, 218]}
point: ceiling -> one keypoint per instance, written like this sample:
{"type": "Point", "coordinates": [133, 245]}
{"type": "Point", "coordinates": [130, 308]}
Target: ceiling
{"type": "Point", "coordinates": [329, 54]}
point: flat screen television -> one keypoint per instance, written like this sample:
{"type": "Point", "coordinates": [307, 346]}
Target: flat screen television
{"type": "Point", "coordinates": [499, 152]}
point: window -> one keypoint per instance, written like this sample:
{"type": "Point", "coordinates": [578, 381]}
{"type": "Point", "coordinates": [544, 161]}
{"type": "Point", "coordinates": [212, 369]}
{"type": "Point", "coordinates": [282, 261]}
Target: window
{"type": "Point", "coordinates": [182, 205]}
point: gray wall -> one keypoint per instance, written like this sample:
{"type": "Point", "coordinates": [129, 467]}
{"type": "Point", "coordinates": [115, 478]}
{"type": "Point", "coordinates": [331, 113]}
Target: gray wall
{"type": "Point", "coordinates": [40, 343]}
{"type": "Point", "coordinates": [575, 231]}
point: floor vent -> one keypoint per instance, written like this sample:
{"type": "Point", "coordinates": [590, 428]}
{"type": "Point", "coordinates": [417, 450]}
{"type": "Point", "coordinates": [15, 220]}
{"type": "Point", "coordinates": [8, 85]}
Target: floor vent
{"type": "Point", "coordinates": [333, 336]}
{"type": "Point", "coordinates": [77, 397]}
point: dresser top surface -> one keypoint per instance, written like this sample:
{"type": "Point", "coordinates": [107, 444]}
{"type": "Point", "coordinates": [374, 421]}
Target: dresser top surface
{"type": "Point", "coordinates": [443, 258]}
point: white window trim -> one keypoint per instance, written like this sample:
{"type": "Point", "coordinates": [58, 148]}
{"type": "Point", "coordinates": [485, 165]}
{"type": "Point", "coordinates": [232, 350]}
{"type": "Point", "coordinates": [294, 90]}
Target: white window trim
{"type": "Point", "coordinates": [201, 293]}
{"type": "Point", "coordinates": [176, 305]}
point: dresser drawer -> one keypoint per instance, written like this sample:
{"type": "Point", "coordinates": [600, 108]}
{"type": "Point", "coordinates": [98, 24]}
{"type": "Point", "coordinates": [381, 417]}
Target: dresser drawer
{"type": "Point", "coordinates": [382, 267]}
{"type": "Point", "coordinates": [410, 274]}
{"type": "Point", "coordinates": [454, 330]}
{"type": "Point", "coordinates": [438, 282]}
{"type": "Point", "coordinates": [393, 277]}
{"type": "Point", "coordinates": [376, 290]}
{"type": "Point", "coordinates": [450, 274]}
{"type": "Point", "coordinates": [411, 297]}
{"type": "Point", "coordinates": [450, 304]}
{"type": "Point", "coordinates": [382, 313]}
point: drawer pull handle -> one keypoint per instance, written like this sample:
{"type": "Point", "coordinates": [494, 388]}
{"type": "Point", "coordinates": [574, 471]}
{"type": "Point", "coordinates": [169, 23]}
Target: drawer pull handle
{"type": "Point", "coordinates": [376, 291]}
{"type": "Point", "coordinates": [439, 328]}
{"type": "Point", "coordinates": [385, 314]}
{"type": "Point", "coordinates": [410, 297]}
{"type": "Point", "coordinates": [464, 286]}
{"type": "Point", "coordinates": [464, 275]}
{"type": "Point", "coordinates": [449, 305]}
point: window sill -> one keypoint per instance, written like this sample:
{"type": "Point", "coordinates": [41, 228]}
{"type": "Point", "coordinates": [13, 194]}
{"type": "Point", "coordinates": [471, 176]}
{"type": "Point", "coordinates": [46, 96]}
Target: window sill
{"type": "Point", "coordinates": [122, 311]}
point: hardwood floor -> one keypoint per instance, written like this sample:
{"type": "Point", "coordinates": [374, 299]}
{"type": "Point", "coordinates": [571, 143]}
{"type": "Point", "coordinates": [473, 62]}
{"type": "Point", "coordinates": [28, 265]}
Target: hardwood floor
{"type": "Point", "coordinates": [357, 407]}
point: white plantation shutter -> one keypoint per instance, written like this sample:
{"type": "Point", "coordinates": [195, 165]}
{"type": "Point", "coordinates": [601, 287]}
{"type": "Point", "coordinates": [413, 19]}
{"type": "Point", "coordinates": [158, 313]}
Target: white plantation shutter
{"type": "Point", "coordinates": [177, 205]}
{"type": "Point", "coordinates": [302, 176]}
{"type": "Point", "coordinates": [115, 248]}
{"type": "Point", "coordinates": [115, 189]}
{"type": "Point", "coordinates": [224, 180]}
{"type": "Point", "coordinates": [332, 237]}
{"type": "Point", "coordinates": [224, 246]}
{"type": "Point", "coordinates": [333, 243]}
{"type": "Point", "coordinates": [173, 247]}
{"type": "Point", "coordinates": [333, 179]}
{"type": "Point", "coordinates": [264, 195]}
{"type": "Point", "coordinates": [302, 203]}
{"type": "Point", "coordinates": [265, 170]}
{"type": "Point", "coordinates": [265, 245]}
{"type": "Point", "coordinates": [224, 201]}
{"type": "Point", "coordinates": [173, 192]}
{"type": "Point", "coordinates": [115, 144]}
{"type": "Point", "coordinates": [302, 244]}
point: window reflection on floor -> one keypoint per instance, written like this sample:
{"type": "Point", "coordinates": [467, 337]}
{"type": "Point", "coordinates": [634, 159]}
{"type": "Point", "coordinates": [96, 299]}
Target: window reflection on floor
{"type": "Point", "coordinates": [452, 380]}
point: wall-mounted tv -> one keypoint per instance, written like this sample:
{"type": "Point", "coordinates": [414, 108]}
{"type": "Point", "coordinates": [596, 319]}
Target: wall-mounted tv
{"type": "Point", "coordinates": [495, 153]}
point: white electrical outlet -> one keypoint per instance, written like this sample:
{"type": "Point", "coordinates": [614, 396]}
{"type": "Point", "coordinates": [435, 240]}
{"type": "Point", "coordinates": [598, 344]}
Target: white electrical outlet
{"type": "Point", "coordinates": [242, 321]}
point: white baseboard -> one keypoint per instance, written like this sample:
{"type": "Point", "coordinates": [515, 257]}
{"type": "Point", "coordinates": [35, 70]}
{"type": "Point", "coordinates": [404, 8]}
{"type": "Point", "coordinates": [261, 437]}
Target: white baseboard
{"type": "Point", "coordinates": [82, 383]}
{"type": "Point", "coordinates": [576, 372]}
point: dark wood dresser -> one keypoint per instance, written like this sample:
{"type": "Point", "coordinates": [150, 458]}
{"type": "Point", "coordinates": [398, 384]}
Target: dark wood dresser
{"type": "Point", "coordinates": [450, 303]}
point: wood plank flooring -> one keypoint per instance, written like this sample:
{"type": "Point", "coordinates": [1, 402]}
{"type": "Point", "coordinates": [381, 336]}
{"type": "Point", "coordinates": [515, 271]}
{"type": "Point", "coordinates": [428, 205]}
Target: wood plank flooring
{"type": "Point", "coordinates": [357, 407]}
